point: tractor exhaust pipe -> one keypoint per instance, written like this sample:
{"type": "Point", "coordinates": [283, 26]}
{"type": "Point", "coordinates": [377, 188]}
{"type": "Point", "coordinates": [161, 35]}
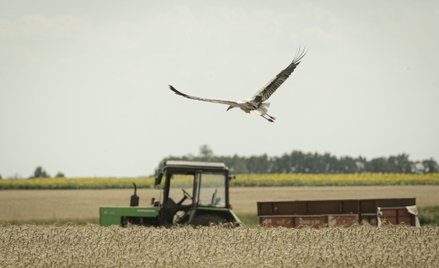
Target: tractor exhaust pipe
{"type": "Point", "coordinates": [134, 201]}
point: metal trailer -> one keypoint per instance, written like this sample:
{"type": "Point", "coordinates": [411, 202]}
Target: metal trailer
{"type": "Point", "coordinates": [320, 213]}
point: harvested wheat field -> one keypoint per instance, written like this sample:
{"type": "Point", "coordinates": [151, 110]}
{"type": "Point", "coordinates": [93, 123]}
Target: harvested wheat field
{"type": "Point", "coordinates": [94, 246]}
{"type": "Point", "coordinates": [80, 204]}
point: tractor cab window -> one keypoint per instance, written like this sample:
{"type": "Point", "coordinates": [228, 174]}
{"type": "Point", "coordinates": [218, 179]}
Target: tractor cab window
{"type": "Point", "coordinates": [212, 190]}
{"type": "Point", "coordinates": [178, 184]}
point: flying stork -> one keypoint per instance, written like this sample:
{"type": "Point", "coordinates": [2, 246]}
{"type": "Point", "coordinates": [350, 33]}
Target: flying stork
{"type": "Point", "coordinates": [257, 104]}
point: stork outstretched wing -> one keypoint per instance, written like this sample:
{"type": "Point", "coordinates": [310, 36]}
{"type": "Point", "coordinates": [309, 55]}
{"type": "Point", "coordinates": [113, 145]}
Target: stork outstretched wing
{"type": "Point", "coordinates": [265, 93]}
{"type": "Point", "coordinates": [227, 102]}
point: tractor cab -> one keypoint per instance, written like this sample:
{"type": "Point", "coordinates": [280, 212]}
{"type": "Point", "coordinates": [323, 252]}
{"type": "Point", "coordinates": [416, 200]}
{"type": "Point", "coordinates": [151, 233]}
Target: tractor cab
{"type": "Point", "coordinates": [195, 193]}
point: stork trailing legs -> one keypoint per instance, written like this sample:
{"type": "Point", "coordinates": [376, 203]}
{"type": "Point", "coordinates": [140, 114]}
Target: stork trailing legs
{"type": "Point", "coordinates": [268, 117]}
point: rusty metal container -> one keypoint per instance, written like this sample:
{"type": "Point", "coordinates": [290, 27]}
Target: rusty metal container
{"type": "Point", "coordinates": [369, 218]}
{"type": "Point", "coordinates": [295, 221]}
{"type": "Point", "coordinates": [344, 220]}
{"type": "Point", "coordinates": [277, 221]}
{"type": "Point", "coordinates": [396, 215]}
{"type": "Point", "coordinates": [315, 221]}
{"type": "Point", "coordinates": [319, 213]}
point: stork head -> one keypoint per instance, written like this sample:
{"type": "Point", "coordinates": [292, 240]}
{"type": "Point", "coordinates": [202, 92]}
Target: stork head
{"type": "Point", "coordinates": [230, 107]}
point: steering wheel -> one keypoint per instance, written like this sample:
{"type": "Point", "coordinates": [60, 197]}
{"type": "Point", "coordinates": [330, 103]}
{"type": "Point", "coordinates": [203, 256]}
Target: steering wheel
{"type": "Point", "coordinates": [180, 213]}
{"type": "Point", "coordinates": [186, 194]}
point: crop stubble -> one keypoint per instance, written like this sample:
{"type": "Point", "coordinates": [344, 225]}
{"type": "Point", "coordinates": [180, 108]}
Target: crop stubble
{"type": "Point", "coordinates": [94, 246]}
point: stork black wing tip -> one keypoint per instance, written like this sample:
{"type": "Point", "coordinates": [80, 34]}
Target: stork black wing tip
{"type": "Point", "coordinates": [172, 88]}
{"type": "Point", "coordinates": [176, 91]}
{"type": "Point", "coordinates": [301, 52]}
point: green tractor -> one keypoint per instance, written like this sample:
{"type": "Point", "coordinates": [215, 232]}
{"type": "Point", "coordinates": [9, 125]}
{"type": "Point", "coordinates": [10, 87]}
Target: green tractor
{"type": "Point", "coordinates": [195, 193]}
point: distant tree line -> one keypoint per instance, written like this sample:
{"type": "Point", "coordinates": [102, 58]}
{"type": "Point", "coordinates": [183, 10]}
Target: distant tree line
{"type": "Point", "coordinates": [40, 172]}
{"type": "Point", "coordinates": [300, 162]}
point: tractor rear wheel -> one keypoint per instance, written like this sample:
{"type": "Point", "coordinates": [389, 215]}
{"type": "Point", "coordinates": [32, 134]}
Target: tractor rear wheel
{"type": "Point", "coordinates": [208, 219]}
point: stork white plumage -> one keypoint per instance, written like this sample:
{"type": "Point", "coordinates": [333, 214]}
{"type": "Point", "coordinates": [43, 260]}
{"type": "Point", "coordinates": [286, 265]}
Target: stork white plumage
{"type": "Point", "coordinates": [256, 105]}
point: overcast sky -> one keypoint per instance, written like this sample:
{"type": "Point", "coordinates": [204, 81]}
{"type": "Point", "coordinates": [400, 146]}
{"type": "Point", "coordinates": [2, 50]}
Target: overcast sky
{"type": "Point", "coordinates": [84, 84]}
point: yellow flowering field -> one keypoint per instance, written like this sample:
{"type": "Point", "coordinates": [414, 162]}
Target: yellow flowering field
{"type": "Point", "coordinates": [76, 183]}
{"type": "Point", "coordinates": [242, 180]}
{"type": "Point", "coordinates": [357, 179]}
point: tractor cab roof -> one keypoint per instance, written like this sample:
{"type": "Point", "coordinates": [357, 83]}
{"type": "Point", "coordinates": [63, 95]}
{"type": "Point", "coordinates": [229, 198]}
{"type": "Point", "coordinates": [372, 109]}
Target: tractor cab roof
{"type": "Point", "coordinates": [187, 167]}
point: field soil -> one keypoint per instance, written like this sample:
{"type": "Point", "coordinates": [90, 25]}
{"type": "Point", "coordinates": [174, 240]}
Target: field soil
{"type": "Point", "coordinates": [83, 204]}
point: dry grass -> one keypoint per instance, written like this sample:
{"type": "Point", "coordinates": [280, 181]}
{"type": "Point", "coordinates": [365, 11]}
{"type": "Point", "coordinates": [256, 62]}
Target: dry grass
{"type": "Point", "coordinates": [84, 204]}
{"type": "Point", "coordinates": [94, 246]}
